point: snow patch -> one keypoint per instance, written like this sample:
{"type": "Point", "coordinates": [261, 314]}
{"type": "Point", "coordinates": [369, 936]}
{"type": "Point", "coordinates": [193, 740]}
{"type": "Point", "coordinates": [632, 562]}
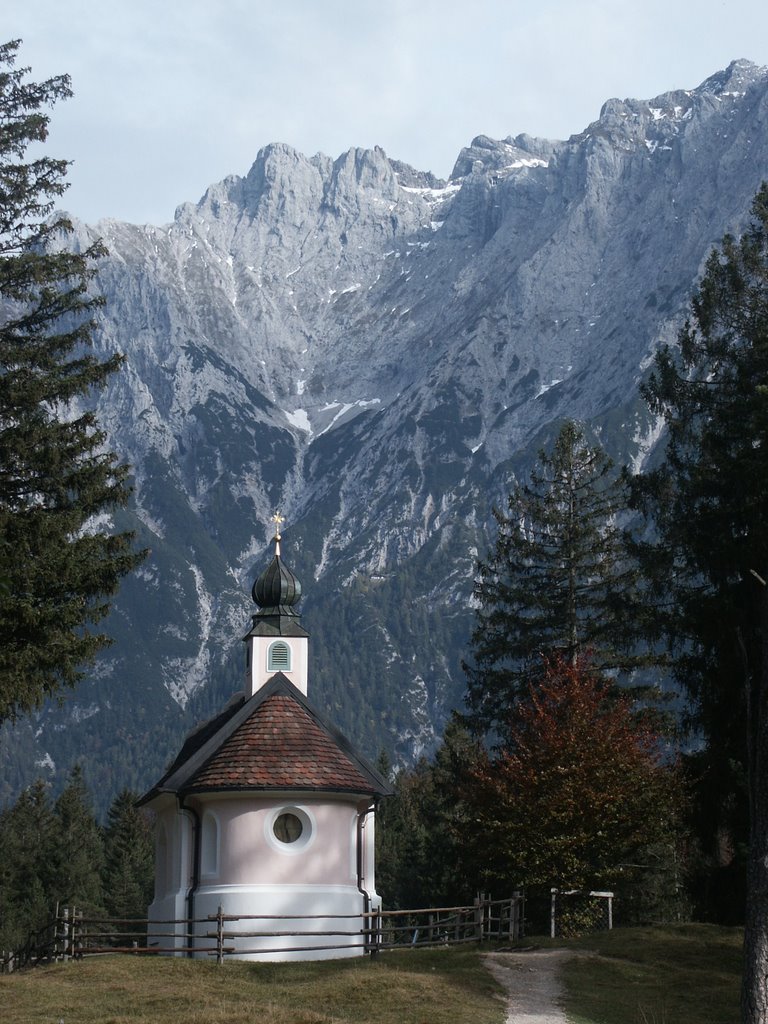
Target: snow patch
{"type": "Point", "coordinates": [185, 675]}
{"type": "Point", "coordinates": [299, 419]}
{"type": "Point", "coordinates": [545, 387]}
{"type": "Point", "coordinates": [434, 195]}
{"type": "Point", "coordinates": [646, 441]}
{"type": "Point", "coordinates": [155, 526]}
{"type": "Point", "coordinates": [345, 407]}
{"type": "Point", "coordinates": [525, 162]}
{"type": "Point", "coordinates": [97, 524]}
{"type": "Point", "coordinates": [80, 713]}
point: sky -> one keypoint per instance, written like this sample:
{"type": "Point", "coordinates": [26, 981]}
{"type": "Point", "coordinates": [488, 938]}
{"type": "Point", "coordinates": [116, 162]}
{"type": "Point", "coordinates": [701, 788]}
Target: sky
{"type": "Point", "coordinates": [173, 95]}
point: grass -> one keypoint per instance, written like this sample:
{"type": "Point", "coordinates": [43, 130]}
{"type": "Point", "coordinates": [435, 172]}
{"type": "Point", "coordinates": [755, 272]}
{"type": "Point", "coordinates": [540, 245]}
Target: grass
{"type": "Point", "coordinates": [689, 974]}
{"type": "Point", "coordinates": [686, 974]}
{"type": "Point", "coordinates": [442, 986]}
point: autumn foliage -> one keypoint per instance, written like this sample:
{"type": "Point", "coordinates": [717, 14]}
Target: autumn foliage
{"type": "Point", "coordinates": [578, 793]}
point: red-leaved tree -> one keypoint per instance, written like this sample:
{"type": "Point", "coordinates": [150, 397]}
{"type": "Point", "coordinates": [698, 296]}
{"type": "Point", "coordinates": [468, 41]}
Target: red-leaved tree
{"type": "Point", "coordinates": [579, 793]}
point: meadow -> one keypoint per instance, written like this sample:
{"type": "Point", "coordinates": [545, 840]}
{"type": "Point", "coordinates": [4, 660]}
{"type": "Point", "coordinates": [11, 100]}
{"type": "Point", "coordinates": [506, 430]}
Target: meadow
{"type": "Point", "coordinates": [688, 974]}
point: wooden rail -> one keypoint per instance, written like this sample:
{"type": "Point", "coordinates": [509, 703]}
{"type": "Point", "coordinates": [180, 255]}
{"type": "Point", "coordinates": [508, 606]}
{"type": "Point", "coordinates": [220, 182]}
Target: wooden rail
{"type": "Point", "coordinates": [72, 935]}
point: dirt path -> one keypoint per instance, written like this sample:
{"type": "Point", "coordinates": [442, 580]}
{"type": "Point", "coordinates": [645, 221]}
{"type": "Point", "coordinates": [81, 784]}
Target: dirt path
{"type": "Point", "coordinates": [532, 984]}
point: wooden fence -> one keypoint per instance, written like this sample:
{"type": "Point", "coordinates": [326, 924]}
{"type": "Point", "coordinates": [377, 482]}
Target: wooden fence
{"type": "Point", "coordinates": [72, 935]}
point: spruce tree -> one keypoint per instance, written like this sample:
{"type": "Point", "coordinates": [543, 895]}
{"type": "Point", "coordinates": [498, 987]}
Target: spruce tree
{"type": "Point", "coordinates": [78, 855]}
{"type": "Point", "coordinates": [27, 844]}
{"type": "Point", "coordinates": [128, 859]}
{"type": "Point", "coordinates": [422, 830]}
{"type": "Point", "coordinates": [402, 867]}
{"type": "Point", "coordinates": [709, 503]}
{"type": "Point", "coordinates": [58, 568]}
{"type": "Point", "coordinates": [559, 580]}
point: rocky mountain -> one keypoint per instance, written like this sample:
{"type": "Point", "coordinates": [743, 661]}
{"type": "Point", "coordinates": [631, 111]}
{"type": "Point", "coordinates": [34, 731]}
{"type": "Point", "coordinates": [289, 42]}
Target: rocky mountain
{"type": "Point", "coordinates": [378, 354]}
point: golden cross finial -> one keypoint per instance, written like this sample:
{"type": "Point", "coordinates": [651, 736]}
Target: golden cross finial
{"type": "Point", "coordinates": [277, 519]}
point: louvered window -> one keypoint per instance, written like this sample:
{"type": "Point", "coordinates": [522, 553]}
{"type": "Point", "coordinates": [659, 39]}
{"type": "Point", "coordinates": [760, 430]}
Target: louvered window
{"type": "Point", "coordinates": [279, 657]}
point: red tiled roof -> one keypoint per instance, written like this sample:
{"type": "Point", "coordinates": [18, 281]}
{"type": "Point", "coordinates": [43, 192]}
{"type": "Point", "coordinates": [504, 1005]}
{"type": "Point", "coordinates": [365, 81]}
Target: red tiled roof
{"type": "Point", "coordinates": [274, 740]}
{"type": "Point", "coordinates": [279, 746]}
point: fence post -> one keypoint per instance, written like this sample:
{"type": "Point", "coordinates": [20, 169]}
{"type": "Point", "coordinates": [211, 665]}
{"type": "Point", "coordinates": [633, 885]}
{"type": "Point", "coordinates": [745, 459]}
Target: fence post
{"type": "Point", "coordinates": [56, 934]}
{"type": "Point", "coordinates": [65, 933]}
{"type": "Point", "coordinates": [514, 915]}
{"type": "Point", "coordinates": [610, 912]}
{"type": "Point", "coordinates": [552, 913]}
{"type": "Point", "coordinates": [219, 936]}
{"type": "Point", "coordinates": [478, 918]}
{"type": "Point", "coordinates": [375, 924]}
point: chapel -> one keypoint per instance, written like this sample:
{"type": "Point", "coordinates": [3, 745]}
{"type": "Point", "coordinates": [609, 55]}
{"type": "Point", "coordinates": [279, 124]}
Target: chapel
{"type": "Point", "coordinates": [268, 809]}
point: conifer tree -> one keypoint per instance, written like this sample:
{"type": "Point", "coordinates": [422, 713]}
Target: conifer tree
{"type": "Point", "coordinates": [422, 852]}
{"type": "Point", "coordinates": [57, 568]}
{"type": "Point", "coordinates": [402, 866]}
{"type": "Point", "coordinates": [27, 842]}
{"type": "Point", "coordinates": [128, 859]}
{"type": "Point", "coordinates": [709, 503]}
{"type": "Point", "coordinates": [78, 854]}
{"type": "Point", "coordinates": [559, 580]}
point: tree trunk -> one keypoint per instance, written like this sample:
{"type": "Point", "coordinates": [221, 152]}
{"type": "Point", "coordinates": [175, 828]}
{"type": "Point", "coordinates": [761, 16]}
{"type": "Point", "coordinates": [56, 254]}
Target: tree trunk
{"type": "Point", "coordinates": [573, 653]}
{"type": "Point", "coordinates": [754, 992]}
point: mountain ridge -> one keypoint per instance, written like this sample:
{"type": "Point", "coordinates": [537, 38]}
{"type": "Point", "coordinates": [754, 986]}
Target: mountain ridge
{"type": "Point", "coordinates": [379, 353]}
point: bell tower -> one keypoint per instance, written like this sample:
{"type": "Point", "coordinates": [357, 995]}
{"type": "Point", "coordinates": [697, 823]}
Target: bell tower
{"type": "Point", "coordinates": [277, 642]}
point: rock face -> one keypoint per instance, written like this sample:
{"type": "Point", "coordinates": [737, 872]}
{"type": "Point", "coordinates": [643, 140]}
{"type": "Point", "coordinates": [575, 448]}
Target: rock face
{"type": "Point", "coordinates": [379, 354]}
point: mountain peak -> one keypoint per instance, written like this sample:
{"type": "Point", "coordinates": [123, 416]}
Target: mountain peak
{"type": "Point", "coordinates": [736, 78]}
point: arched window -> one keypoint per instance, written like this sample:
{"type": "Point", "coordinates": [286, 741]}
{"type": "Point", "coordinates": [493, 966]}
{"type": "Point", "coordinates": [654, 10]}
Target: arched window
{"type": "Point", "coordinates": [209, 845]}
{"type": "Point", "coordinates": [279, 657]}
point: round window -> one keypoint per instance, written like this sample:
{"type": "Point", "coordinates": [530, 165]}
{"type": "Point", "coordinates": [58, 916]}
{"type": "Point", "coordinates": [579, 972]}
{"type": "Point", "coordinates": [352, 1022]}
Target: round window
{"type": "Point", "coordinates": [288, 827]}
{"type": "Point", "coordinates": [290, 830]}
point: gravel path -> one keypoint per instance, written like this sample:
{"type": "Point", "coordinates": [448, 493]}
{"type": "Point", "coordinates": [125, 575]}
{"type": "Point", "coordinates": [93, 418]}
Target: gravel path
{"type": "Point", "coordinates": [532, 984]}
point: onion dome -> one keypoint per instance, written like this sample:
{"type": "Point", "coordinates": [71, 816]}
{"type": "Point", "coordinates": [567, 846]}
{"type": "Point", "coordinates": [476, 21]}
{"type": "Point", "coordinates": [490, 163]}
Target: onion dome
{"type": "Point", "coordinates": [277, 591]}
